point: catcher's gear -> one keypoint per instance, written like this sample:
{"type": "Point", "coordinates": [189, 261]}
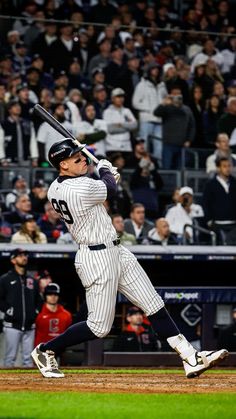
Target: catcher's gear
{"type": "Point", "coordinates": [63, 149]}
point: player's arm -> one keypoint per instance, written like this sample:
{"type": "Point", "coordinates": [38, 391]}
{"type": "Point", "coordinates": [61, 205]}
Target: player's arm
{"type": "Point", "coordinates": [107, 177]}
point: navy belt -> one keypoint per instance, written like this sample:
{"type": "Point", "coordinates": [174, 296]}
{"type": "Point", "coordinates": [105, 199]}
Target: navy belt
{"type": "Point", "coordinates": [102, 245]}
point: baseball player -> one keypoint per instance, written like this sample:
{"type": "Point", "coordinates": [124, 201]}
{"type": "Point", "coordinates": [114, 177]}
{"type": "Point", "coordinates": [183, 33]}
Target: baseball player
{"type": "Point", "coordinates": [103, 265]}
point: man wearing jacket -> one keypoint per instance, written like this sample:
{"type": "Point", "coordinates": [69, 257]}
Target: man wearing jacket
{"type": "Point", "coordinates": [20, 303]}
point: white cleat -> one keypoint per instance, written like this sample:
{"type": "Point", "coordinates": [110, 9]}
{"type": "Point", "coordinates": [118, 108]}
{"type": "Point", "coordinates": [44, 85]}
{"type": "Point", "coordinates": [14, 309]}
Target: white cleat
{"type": "Point", "coordinates": [199, 362]}
{"type": "Point", "coordinates": [46, 363]}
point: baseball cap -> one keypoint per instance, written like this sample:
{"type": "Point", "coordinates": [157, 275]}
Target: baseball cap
{"type": "Point", "coordinates": [139, 140]}
{"type": "Point", "coordinates": [52, 288]}
{"type": "Point", "coordinates": [39, 183]}
{"type": "Point", "coordinates": [185, 189]}
{"type": "Point", "coordinates": [117, 92]}
{"type": "Point", "coordinates": [12, 103]}
{"type": "Point", "coordinates": [42, 274]}
{"type": "Point", "coordinates": [97, 70]}
{"type": "Point", "coordinates": [232, 83]}
{"type": "Point", "coordinates": [20, 44]}
{"type": "Point", "coordinates": [133, 310]}
{"type": "Point", "coordinates": [18, 251]}
{"type": "Point", "coordinates": [16, 178]}
{"type": "Point", "coordinates": [21, 86]}
{"type": "Point", "coordinates": [99, 88]}
{"type": "Point", "coordinates": [28, 217]}
{"type": "Point", "coordinates": [167, 66]}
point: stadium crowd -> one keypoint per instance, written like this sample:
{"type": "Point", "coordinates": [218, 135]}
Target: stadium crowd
{"type": "Point", "coordinates": [138, 83]}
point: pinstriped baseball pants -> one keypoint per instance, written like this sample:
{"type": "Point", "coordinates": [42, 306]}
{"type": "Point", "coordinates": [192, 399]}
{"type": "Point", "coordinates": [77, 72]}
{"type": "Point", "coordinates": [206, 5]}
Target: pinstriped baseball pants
{"type": "Point", "coordinates": [103, 273]}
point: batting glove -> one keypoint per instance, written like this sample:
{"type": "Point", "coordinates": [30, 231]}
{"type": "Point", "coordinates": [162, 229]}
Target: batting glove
{"type": "Point", "coordinates": [104, 164]}
{"type": "Point", "coordinates": [115, 174]}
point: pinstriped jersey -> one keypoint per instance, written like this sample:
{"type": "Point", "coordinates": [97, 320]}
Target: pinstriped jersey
{"type": "Point", "coordinates": [79, 201]}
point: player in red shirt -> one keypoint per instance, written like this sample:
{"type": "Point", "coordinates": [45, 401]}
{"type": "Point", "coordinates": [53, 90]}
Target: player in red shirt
{"type": "Point", "coordinates": [53, 319]}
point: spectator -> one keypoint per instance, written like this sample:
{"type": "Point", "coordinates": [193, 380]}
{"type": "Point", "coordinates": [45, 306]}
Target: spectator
{"type": "Point", "coordinates": [38, 196]}
{"type": "Point", "coordinates": [5, 228]}
{"type": "Point", "coordinates": [21, 61]}
{"type": "Point", "coordinates": [26, 102]}
{"type": "Point", "coordinates": [148, 94]}
{"type": "Point", "coordinates": [20, 187]}
{"type": "Point", "coordinates": [122, 200]}
{"type": "Point", "coordinates": [178, 128]}
{"type": "Point", "coordinates": [72, 113]}
{"type": "Point", "coordinates": [115, 72]}
{"type": "Point", "coordinates": [29, 232]}
{"type": "Point", "coordinates": [126, 239]}
{"type": "Point", "coordinates": [211, 117]}
{"type": "Point", "coordinates": [53, 319]}
{"type": "Point", "coordinates": [51, 224]}
{"type": "Point", "coordinates": [132, 78]}
{"type": "Point", "coordinates": [76, 78]}
{"type": "Point", "coordinates": [42, 44]}
{"type": "Point", "coordinates": [137, 224]}
{"type": "Point", "coordinates": [47, 135]}
{"type": "Point", "coordinates": [22, 208]}
{"type": "Point", "coordinates": [161, 234]}
{"type": "Point", "coordinates": [174, 199]}
{"type": "Point", "coordinates": [228, 335]}
{"type": "Point", "coordinates": [197, 108]}
{"type": "Point", "coordinates": [92, 131]}
{"type": "Point", "coordinates": [120, 123]}
{"type": "Point", "coordinates": [185, 212]}
{"type": "Point", "coordinates": [173, 80]}
{"type": "Point", "coordinates": [18, 143]}
{"type": "Point", "coordinates": [44, 278]}
{"type": "Point", "coordinates": [145, 184]}
{"type": "Point", "coordinates": [209, 52]}
{"type": "Point", "coordinates": [137, 336]}
{"type": "Point", "coordinates": [219, 200]}
{"type": "Point", "coordinates": [223, 150]}
{"type": "Point", "coordinates": [101, 101]}
{"type": "Point", "coordinates": [227, 122]}
{"type": "Point", "coordinates": [19, 301]}
{"type": "Point", "coordinates": [102, 58]}
{"type": "Point", "coordinates": [3, 105]}
{"type": "Point", "coordinates": [229, 57]}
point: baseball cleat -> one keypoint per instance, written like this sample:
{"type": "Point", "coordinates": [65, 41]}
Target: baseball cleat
{"type": "Point", "coordinates": [199, 362]}
{"type": "Point", "coordinates": [46, 363]}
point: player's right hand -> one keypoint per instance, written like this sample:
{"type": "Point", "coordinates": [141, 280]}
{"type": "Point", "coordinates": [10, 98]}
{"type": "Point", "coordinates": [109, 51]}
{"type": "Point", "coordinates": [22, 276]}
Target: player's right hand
{"type": "Point", "coordinates": [104, 164]}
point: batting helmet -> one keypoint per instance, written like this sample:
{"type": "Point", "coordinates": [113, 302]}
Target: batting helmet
{"type": "Point", "coordinates": [52, 288]}
{"type": "Point", "coordinates": [61, 150]}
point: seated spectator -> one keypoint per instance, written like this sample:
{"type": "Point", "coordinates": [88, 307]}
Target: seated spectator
{"type": "Point", "coordinates": [227, 336]}
{"type": "Point", "coordinates": [19, 185]}
{"type": "Point", "coordinates": [209, 51]}
{"type": "Point", "coordinates": [137, 224]}
{"type": "Point", "coordinates": [53, 319]}
{"type": "Point", "coordinates": [29, 232]}
{"type": "Point", "coordinates": [185, 212]}
{"type": "Point", "coordinates": [120, 123]}
{"type": "Point", "coordinates": [178, 128]}
{"type": "Point", "coordinates": [5, 229]}
{"type": "Point", "coordinates": [145, 183]}
{"type": "Point", "coordinates": [227, 122]}
{"type": "Point", "coordinates": [51, 224]}
{"type": "Point", "coordinates": [161, 234]}
{"type": "Point", "coordinates": [122, 200]}
{"type": "Point", "coordinates": [219, 201]}
{"type": "Point", "coordinates": [126, 239]}
{"type": "Point", "coordinates": [222, 150]}
{"type": "Point", "coordinates": [174, 199]}
{"type": "Point", "coordinates": [38, 196]}
{"type": "Point", "coordinates": [92, 131]}
{"type": "Point", "coordinates": [137, 336]}
{"type": "Point", "coordinates": [23, 207]}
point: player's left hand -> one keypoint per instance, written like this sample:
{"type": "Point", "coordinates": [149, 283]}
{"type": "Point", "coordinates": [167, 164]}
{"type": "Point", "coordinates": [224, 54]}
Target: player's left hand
{"type": "Point", "coordinates": [115, 173]}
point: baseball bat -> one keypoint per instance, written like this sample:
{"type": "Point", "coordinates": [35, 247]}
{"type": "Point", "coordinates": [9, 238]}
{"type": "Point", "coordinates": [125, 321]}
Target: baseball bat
{"type": "Point", "coordinates": [47, 117]}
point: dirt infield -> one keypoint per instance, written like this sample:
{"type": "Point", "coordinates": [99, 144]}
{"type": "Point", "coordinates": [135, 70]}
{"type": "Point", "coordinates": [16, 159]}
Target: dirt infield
{"type": "Point", "coordinates": [119, 383]}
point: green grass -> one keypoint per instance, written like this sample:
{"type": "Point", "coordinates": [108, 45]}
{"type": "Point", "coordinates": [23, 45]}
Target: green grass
{"type": "Point", "coordinates": [117, 371]}
{"type": "Point", "coordinates": [33, 405]}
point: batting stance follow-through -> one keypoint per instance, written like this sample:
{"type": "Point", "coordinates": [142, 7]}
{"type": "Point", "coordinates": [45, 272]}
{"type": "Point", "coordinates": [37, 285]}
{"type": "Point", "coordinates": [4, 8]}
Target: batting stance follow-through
{"type": "Point", "coordinates": [104, 265]}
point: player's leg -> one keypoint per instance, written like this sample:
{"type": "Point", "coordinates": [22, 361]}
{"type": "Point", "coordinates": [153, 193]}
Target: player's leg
{"type": "Point", "coordinates": [137, 287]}
{"type": "Point", "coordinates": [99, 273]}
